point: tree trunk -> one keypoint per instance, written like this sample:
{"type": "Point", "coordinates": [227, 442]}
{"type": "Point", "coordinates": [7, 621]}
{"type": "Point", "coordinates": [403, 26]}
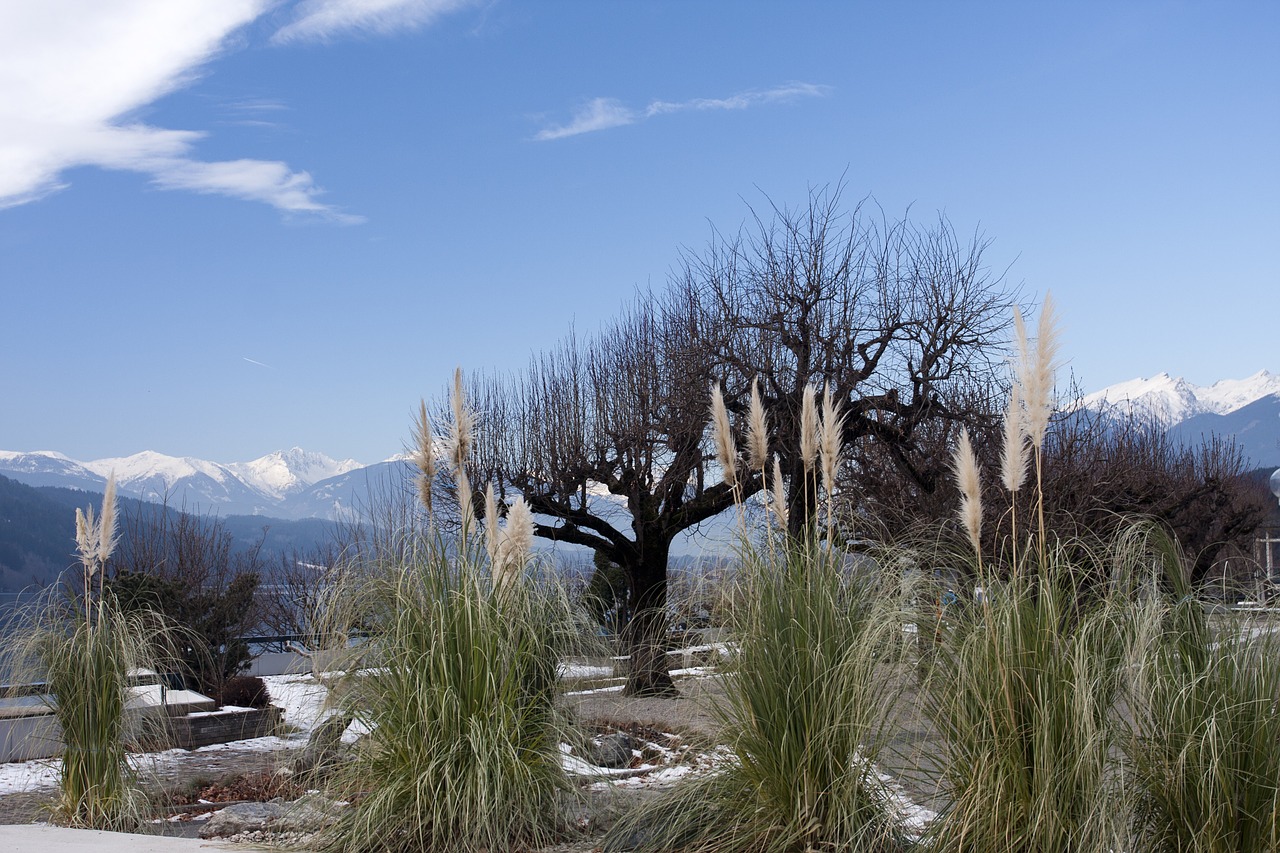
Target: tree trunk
{"type": "Point", "coordinates": [646, 634]}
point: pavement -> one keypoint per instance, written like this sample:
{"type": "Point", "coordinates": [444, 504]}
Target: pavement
{"type": "Point", "coordinates": [38, 838]}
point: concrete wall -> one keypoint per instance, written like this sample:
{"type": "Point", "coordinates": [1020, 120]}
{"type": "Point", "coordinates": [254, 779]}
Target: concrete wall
{"type": "Point", "coordinates": [26, 737]}
{"type": "Point", "coordinates": [23, 738]}
{"type": "Point", "coordinates": [279, 663]}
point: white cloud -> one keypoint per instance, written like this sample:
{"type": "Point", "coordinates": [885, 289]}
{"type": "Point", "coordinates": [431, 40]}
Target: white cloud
{"type": "Point", "coordinates": [599, 114]}
{"type": "Point", "coordinates": [267, 181]}
{"type": "Point", "coordinates": [73, 72]}
{"type": "Point", "coordinates": [741, 101]}
{"type": "Point", "coordinates": [604, 113]}
{"type": "Point", "coordinates": [319, 20]}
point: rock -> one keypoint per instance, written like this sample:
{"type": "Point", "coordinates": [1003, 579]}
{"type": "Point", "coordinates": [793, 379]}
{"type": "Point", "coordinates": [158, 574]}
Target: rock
{"type": "Point", "coordinates": [612, 751]}
{"type": "Point", "coordinates": [270, 818]}
{"type": "Point", "coordinates": [322, 750]}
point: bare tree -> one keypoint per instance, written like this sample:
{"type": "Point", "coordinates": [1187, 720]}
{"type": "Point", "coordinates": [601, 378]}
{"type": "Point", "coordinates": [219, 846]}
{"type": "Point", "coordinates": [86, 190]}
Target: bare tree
{"type": "Point", "coordinates": [903, 323]}
{"type": "Point", "coordinates": [1100, 473]}
{"type": "Point", "coordinates": [299, 586]}
{"type": "Point", "coordinates": [608, 437]}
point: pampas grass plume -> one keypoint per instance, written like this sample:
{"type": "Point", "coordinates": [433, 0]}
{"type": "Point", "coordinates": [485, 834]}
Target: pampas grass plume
{"type": "Point", "coordinates": [515, 545]}
{"type": "Point", "coordinates": [107, 523]}
{"type": "Point", "coordinates": [424, 456]}
{"type": "Point", "coordinates": [460, 439]}
{"type": "Point", "coordinates": [831, 439]}
{"type": "Point", "coordinates": [779, 493]}
{"type": "Point", "coordinates": [1037, 370]}
{"type": "Point", "coordinates": [966, 473]}
{"type": "Point", "coordinates": [463, 422]}
{"type": "Point", "coordinates": [85, 544]}
{"type": "Point", "coordinates": [757, 430]}
{"type": "Point", "coordinates": [1022, 346]}
{"type": "Point", "coordinates": [809, 427]}
{"type": "Point", "coordinates": [1013, 460]}
{"type": "Point", "coordinates": [726, 450]}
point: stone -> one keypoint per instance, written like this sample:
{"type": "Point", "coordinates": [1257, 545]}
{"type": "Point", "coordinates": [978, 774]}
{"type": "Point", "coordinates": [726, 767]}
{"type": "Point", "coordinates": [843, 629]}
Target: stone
{"type": "Point", "coordinates": [323, 748]}
{"type": "Point", "coordinates": [271, 818]}
{"type": "Point", "coordinates": [612, 751]}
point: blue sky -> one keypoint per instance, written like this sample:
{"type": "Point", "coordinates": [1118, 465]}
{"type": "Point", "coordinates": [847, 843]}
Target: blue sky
{"type": "Point", "coordinates": [234, 226]}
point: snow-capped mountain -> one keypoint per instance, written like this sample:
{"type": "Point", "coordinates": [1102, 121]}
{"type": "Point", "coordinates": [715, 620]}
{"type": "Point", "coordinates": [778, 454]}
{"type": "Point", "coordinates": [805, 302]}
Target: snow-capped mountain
{"type": "Point", "coordinates": [1247, 410]}
{"type": "Point", "coordinates": [1254, 426]}
{"type": "Point", "coordinates": [1173, 400]}
{"type": "Point", "coordinates": [264, 486]}
{"type": "Point", "coordinates": [155, 477]}
{"type": "Point", "coordinates": [288, 472]}
{"type": "Point", "coordinates": [48, 468]}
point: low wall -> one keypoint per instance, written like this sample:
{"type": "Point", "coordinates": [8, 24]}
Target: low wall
{"type": "Point", "coordinates": [279, 663]}
{"type": "Point", "coordinates": [210, 727]}
{"type": "Point", "coordinates": [23, 738]}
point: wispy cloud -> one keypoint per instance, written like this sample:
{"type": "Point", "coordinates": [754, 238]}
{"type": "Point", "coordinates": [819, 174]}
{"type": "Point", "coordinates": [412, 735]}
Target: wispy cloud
{"type": "Point", "coordinates": [267, 181]}
{"type": "Point", "coordinates": [605, 113]}
{"type": "Point", "coordinates": [72, 72]}
{"type": "Point", "coordinates": [599, 114]}
{"type": "Point", "coordinates": [321, 20]}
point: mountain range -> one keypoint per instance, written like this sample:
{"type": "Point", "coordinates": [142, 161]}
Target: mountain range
{"type": "Point", "coordinates": [300, 484]}
{"type": "Point", "coordinates": [287, 484]}
{"type": "Point", "coordinates": [1247, 410]}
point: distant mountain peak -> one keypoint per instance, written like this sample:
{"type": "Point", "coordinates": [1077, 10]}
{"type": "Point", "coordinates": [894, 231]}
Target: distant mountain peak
{"type": "Point", "coordinates": [155, 469]}
{"type": "Point", "coordinates": [15, 456]}
{"type": "Point", "coordinates": [1172, 400]}
{"type": "Point", "coordinates": [285, 472]}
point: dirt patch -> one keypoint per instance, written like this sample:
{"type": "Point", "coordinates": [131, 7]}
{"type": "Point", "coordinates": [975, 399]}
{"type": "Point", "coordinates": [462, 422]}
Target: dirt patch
{"type": "Point", "coordinates": [235, 788]}
{"type": "Point", "coordinates": [690, 711]}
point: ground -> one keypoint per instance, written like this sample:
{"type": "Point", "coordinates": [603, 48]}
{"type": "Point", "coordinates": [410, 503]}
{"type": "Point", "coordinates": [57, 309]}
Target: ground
{"type": "Point", "coordinates": [673, 737]}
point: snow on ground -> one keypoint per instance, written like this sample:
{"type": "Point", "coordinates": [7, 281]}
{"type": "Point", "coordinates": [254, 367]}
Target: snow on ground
{"type": "Point", "coordinates": [582, 670]}
{"type": "Point", "coordinates": [29, 775]}
{"type": "Point", "coordinates": [675, 765]}
{"type": "Point", "coordinates": [301, 697]}
{"type": "Point", "coordinates": [613, 688]}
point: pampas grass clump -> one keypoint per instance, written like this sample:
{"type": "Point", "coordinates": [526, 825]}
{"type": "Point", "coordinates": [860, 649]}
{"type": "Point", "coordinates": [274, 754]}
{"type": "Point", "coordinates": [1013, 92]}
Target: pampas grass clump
{"type": "Point", "coordinates": [85, 664]}
{"type": "Point", "coordinates": [1021, 686]}
{"type": "Point", "coordinates": [83, 648]}
{"type": "Point", "coordinates": [1203, 748]}
{"type": "Point", "coordinates": [1022, 681]}
{"type": "Point", "coordinates": [456, 683]}
{"type": "Point", "coordinates": [806, 696]}
{"type": "Point", "coordinates": [463, 751]}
